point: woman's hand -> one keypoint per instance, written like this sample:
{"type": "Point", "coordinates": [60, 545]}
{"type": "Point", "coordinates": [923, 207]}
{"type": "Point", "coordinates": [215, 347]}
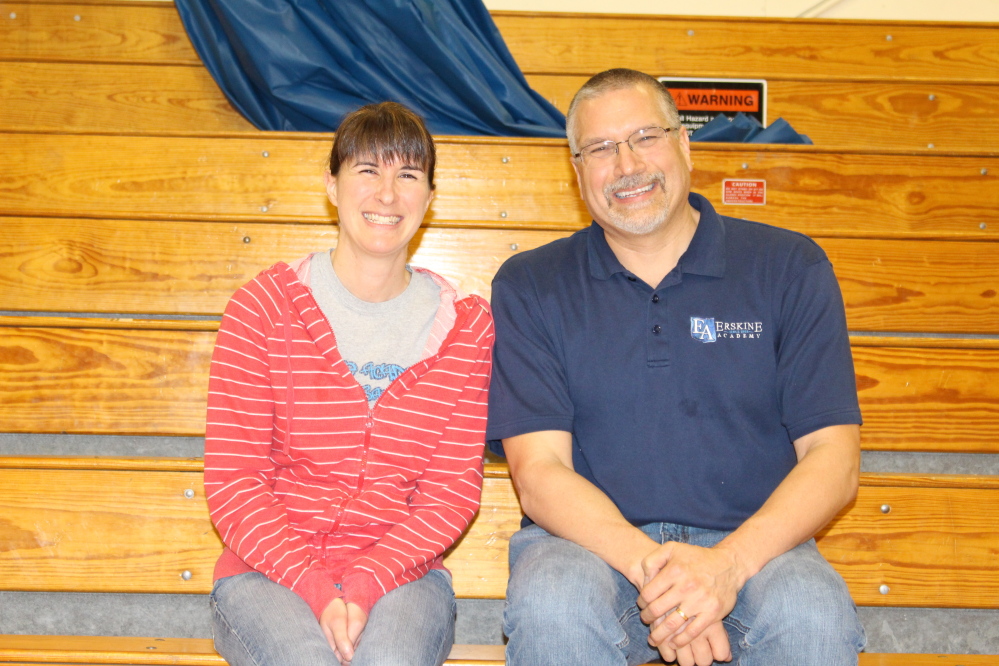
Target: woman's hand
{"type": "Point", "coordinates": [342, 623]}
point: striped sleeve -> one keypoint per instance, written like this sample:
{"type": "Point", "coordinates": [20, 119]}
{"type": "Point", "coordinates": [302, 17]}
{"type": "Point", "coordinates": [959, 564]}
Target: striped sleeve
{"type": "Point", "coordinates": [446, 497]}
{"type": "Point", "coordinates": [239, 471]}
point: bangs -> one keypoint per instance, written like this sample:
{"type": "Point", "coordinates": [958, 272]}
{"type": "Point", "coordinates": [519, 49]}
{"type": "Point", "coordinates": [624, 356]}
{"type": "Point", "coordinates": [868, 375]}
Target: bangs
{"type": "Point", "coordinates": [387, 133]}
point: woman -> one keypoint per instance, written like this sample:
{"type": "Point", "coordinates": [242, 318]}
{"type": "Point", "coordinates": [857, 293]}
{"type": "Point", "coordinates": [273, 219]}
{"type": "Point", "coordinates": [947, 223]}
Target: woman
{"type": "Point", "coordinates": [346, 420]}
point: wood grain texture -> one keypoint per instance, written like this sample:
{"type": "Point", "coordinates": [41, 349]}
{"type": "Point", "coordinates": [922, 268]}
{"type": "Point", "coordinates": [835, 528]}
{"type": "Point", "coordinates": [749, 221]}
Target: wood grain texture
{"type": "Point", "coordinates": [560, 43]}
{"type": "Point", "coordinates": [230, 179]}
{"type": "Point", "coordinates": [935, 546]}
{"type": "Point", "coordinates": [103, 381]}
{"type": "Point", "coordinates": [756, 48]}
{"type": "Point", "coordinates": [885, 116]}
{"type": "Point", "coordinates": [91, 531]}
{"type": "Point", "coordinates": [116, 32]}
{"type": "Point", "coordinates": [60, 97]}
{"type": "Point", "coordinates": [184, 100]}
{"type": "Point", "coordinates": [174, 267]}
{"type": "Point", "coordinates": [928, 400]}
{"type": "Point", "coordinates": [132, 531]}
{"type": "Point", "coordinates": [111, 381]}
{"type": "Point", "coordinates": [59, 650]}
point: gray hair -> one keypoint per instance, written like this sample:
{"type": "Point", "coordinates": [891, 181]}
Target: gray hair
{"type": "Point", "coordinates": [619, 79]}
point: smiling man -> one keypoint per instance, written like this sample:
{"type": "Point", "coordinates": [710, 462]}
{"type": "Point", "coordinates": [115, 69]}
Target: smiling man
{"type": "Point", "coordinates": [675, 395]}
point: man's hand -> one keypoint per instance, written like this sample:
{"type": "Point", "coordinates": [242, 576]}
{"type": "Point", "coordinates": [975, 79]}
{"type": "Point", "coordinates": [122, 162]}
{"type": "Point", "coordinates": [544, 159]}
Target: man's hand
{"type": "Point", "coordinates": [710, 646]}
{"type": "Point", "coordinates": [342, 623]}
{"type": "Point", "coordinates": [690, 587]}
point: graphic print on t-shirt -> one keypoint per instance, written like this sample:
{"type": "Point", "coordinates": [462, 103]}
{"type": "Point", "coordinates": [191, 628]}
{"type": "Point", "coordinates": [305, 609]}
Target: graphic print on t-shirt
{"type": "Point", "coordinates": [381, 373]}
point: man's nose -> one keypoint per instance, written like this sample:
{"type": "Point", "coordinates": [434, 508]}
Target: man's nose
{"type": "Point", "coordinates": [627, 160]}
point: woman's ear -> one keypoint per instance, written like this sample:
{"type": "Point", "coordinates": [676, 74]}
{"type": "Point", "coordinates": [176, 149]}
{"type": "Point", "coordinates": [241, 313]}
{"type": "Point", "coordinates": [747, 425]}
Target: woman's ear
{"type": "Point", "coordinates": [330, 181]}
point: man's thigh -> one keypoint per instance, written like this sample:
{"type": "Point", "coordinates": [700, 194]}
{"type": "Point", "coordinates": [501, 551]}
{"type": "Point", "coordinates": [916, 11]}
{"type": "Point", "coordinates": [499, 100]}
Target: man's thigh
{"type": "Point", "coordinates": [567, 606]}
{"type": "Point", "coordinates": [797, 609]}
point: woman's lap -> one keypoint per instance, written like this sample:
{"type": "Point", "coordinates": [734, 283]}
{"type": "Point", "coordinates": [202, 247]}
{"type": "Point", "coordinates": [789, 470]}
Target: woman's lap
{"type": "Point", "coordinates": [258, 622]}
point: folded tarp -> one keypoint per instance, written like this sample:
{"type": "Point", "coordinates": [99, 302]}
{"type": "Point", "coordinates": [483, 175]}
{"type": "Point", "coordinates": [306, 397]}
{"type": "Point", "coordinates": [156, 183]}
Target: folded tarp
{"type": "Point", "coordinates": [747, 129]}
{"type": "Point", "coordinates": [301, 65]}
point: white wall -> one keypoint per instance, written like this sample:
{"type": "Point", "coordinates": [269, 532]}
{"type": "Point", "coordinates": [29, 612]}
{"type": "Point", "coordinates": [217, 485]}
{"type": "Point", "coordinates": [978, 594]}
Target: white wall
{"type": "Point", "coordinates": [902, 10]}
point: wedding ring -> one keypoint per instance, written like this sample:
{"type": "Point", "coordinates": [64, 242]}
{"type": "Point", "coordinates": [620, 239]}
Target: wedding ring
{"type": "Point", "coordinates": [681, 613]}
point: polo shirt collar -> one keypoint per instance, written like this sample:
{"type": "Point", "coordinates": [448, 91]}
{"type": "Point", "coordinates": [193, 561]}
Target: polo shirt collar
{"type": "Point", "coordinates": [704, 256]}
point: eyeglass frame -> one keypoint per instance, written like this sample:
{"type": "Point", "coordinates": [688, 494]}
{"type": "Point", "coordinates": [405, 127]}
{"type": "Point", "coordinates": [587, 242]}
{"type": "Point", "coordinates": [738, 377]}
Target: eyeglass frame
{"type": "Point", "coordinates": [617, 150]}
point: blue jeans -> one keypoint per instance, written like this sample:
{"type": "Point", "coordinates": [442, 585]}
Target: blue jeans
{"type": "Point", "coordinates": [257, 622]}
{"type": "Point", "coordinates": [567, 606]}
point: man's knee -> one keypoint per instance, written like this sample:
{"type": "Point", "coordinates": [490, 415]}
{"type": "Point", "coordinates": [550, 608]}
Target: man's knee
{"type": "Point", "coordinates": [798, 599]}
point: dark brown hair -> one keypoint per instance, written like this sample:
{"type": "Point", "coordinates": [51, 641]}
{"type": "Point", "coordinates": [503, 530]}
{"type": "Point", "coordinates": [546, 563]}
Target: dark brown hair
{"type": "Point", "coordinates": [386, 132]}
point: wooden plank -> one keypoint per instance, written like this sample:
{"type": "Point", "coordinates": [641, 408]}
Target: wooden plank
{"type": "Point", "coordinates": [934, 546]}
{"type": "Point", "coordinates": [60, 97]}
{"type": "Point", "coordinates": [816, 49]}
{"type": "Point", "coordinates": [115, 32]}
{"type": "Point", "coordinates": [185, 100]}
{"type": "Point", "coordinates": [886, 116]}
{"type": "Point", "coordinates": [103, 381]}
{"type": "Point", "coordinates": [230, 179]}
{"type": "Point", "coordinates": [88, 531]}
{"type": "Point", "coordinates": [193, 268]}
{"type": "Point", "coordinates": [151, 382]}
{"type": "Point", "coordinates": [128, 531]}
{"type": "Point", "coordinates": [566, 43]}
{"type": "Point", "coordinates": [173, 267]}
{"type": "Point", "coordinates": [61, 650]}
{"type": "Point", "coordinates": [928, 399]}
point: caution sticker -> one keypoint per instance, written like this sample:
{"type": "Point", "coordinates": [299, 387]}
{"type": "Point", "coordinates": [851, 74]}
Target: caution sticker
{"type": "Point", "coordinates": [744, 192]}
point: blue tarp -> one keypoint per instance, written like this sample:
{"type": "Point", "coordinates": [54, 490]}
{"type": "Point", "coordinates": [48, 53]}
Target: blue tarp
{"type": "Point", "coordinates": [301, 65]}
{"type": "Point", "coordinates": [747, 129]}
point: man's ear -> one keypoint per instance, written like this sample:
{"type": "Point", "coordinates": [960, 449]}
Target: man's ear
{"type": "Point", "coordinates": [579, 176]}
{"type": "Point", "coordinates": [330, 181]}
{"type": "Point", "coordinates": [684, 140]}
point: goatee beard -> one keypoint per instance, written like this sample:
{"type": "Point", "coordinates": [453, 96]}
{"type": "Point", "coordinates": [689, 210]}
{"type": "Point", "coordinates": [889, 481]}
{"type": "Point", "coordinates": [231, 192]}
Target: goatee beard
{"type": "Point", "coordinates": [637, 222]}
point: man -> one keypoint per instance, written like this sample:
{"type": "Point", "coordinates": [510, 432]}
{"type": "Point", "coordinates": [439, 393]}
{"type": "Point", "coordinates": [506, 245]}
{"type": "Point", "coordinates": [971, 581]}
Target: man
{"type": "Point", "coordinates": [675, 396]}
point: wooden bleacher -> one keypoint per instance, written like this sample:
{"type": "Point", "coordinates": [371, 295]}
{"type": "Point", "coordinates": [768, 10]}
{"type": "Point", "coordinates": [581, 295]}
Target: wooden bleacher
{"type": "Point", "coordinates": [131, 188]}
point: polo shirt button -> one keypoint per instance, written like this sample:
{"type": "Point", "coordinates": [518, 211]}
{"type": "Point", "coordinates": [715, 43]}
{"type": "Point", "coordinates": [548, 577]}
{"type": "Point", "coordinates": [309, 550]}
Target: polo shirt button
{"type": "Point", "coordinates": [655, 298]}
{"type": "Point", "coordinates": [656, 329]}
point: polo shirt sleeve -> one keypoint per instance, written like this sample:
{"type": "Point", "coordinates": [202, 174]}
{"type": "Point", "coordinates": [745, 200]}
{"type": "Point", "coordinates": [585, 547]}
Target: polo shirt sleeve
{"type": "Point", "coordinates": [529, 390]}
{"type": "Point", "coordinates": [816, 379]}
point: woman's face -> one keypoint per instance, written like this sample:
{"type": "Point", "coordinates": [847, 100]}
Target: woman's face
{"type": "Point", "coordinates": [380, 205]}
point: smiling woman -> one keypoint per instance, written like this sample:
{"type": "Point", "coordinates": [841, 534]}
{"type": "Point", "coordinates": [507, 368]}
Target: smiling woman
{"type": "Point", "coordinates": [345, 431]}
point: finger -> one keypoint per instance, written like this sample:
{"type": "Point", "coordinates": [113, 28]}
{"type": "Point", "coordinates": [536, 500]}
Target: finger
{"type": "Point", "coordinates": [701, 650]}
{"type": "Point", "coordinates": [343, 643]}
{"type": "Point", "coordinates": [685, 657]}
{"type": "Point", "coordinates": [668, 654]}
{"type": "Point", "coordinates": [671, 625]}
{"type": "Point", "coordinates": [328, 633]}
{"type": "Point", "coordinates": [721, 650]}
{"type": "Point", "coordinates": [656, 560]}
{"type": "Point", "coordinates": [691, 631]}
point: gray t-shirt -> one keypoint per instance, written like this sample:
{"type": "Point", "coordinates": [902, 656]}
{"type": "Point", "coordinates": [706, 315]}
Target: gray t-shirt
{"type": "Point", "coordinates": [379, 341]}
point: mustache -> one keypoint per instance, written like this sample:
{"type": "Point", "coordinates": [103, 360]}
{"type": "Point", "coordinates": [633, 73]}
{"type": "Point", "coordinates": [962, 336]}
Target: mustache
{"type": "Point", "coordinates": [632, 182]}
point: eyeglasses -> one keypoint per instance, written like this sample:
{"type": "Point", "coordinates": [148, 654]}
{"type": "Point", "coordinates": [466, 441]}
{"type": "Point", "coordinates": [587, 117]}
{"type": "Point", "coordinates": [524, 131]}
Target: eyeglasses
{"type": "Point", "coordinates": [641, 142]}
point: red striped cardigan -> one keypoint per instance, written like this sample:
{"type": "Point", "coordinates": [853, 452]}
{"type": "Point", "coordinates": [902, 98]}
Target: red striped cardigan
{"type": "Point", "coordinates": [311, 487]}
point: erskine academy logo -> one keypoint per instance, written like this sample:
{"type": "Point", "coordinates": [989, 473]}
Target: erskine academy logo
{"type": "Point", "coordinates": [706, 329]}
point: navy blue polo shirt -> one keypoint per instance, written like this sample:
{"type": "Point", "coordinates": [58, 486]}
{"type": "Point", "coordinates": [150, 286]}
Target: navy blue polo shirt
{"type": "Point", "coordinates": [683, 400]}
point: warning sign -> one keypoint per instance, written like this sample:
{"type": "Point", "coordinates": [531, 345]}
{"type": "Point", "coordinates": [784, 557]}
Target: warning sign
{"type": "Point", "coordinates": [700, 100]}
{"type": "Point", "coordinates": [744, 192]}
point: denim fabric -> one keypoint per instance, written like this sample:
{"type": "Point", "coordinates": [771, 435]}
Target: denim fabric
{"type": "Point", "coordinates": [257, 622]}
{"type": "Point", "coordinates": [567, 606]}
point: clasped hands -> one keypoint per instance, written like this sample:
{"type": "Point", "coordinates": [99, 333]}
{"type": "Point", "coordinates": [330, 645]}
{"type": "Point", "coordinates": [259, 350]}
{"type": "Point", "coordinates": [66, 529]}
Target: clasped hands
{"type": "Point", "coordinates": [342, 623]}
{"type": "Point", "coordinates": [687, 591]}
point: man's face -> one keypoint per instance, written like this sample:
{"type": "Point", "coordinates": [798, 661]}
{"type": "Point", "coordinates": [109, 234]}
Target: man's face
{"type": "Point", "coordinates": [634, 194]}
